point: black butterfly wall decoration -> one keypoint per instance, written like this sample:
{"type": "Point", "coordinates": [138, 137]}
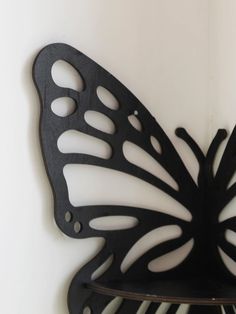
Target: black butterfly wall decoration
{"type": "Point", "coordinates": [203, 267]}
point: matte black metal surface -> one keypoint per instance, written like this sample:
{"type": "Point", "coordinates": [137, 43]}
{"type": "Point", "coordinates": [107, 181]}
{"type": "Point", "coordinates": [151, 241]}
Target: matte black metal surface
{"type": "Point", "coordinates": [204, 200]}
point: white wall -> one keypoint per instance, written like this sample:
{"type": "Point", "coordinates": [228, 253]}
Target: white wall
{"type": "Point", "coordinates": [178, 57]}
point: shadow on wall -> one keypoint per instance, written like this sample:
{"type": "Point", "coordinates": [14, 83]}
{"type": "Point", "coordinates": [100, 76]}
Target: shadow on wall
{"type": "Point", "coordinates": [34, 143]}
{"type": "Point", "coordinates": [60, 303]}
{"type": "Point", "coordinates": [68, 249]}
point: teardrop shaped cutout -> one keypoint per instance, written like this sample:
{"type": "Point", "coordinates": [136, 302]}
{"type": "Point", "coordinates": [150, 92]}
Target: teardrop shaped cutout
{"type": "Point", "coordinates": [99, 121]}
{"type": "Point", "coordinates": [65, 75]}
{"type": "Point", "coordinates": [155, 144]}
{"type": "Point", "coordinates": [107, 98]}
{"type": "Point", "coordinates": [135, 122]}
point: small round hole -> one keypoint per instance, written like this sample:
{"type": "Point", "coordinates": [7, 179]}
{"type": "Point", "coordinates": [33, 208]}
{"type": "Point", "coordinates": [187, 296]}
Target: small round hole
{"type": "Point", "coordinates": [135, 112]}
{"type": "Point", "coordinates": [63, 106]}
{"type": "Point", "coordinates": [77, 227]}
{"type": "Point", "coordinates": [68, 216]}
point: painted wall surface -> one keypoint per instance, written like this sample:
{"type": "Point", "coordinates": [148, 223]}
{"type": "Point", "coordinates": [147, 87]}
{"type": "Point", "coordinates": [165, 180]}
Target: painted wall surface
{"type": "Point", "coordinates": [177, 57]}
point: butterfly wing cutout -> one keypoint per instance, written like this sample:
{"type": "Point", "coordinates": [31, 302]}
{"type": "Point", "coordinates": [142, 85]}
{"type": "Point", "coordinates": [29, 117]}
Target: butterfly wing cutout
{"type": "Point", "coordinates": [133, 127]}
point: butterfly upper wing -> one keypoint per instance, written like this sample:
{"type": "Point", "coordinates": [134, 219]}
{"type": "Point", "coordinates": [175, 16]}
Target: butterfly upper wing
{"type": "Point", "coordinates": [93, 75]}
{"type": "Point", "coordinates": [53, 126]}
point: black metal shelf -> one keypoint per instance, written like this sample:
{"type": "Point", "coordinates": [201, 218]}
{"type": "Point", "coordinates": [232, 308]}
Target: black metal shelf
{"type": "Point", "coordinates": [195, 291]}
{"type": "Point", "coordinates": [205, 200]}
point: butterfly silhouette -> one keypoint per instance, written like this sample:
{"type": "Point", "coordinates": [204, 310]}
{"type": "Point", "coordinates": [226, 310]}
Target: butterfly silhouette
{"type": "Point", "coordinates": [204, 200]}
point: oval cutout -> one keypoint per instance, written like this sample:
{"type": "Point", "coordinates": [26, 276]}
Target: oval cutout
{"type": "Point", "coordinates": [172, 259]}
{"type": "Point", "coordinates": [99, 121]}
{"type": "Point", "coordinates": [110, 223]}
{"type": "Point", "coordinates": [137, 156]}
{"type": "Point", "coordinates": [65, 75]}
{"type": "Point", "coordinates": [155, 144]}
{"type": "Point", "coordinates": [147, 242]}
{"type": "Point", "coordinates": [73, 141]}
{"type": "Point", "coordinates": [107, 98]}
{"type": "Point", "coordinates": [68, 216]}
{"type": "Point", "coordinates": [102, 268]}
{"type": "Point", "coordinates": [77, 227]}
{"type": "Point", "coordinates": [135, 122]}
{"type": "Point", "coordinates": [63, 106]}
